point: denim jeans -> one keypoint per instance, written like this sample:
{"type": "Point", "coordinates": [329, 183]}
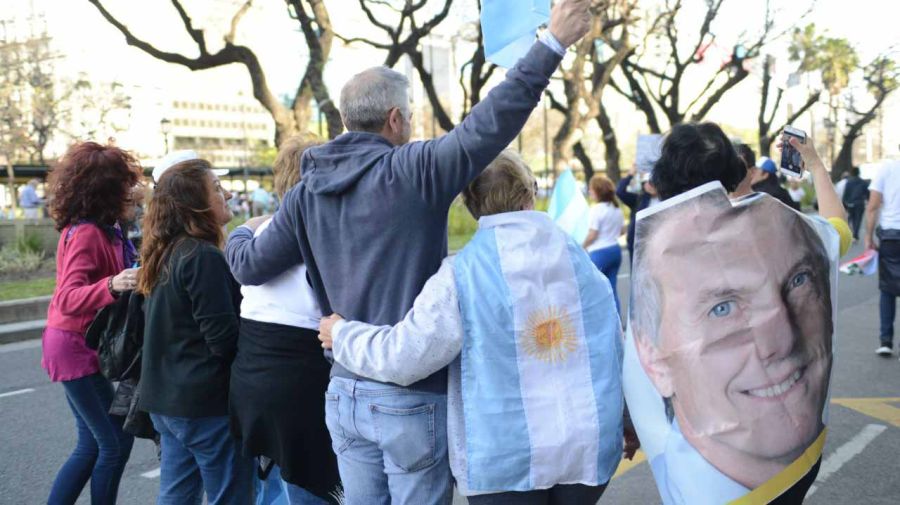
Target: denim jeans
{"type": "Point", "coordinates": [199, 454]}
{"type": "Point", "coordinates": [563, 494]}
{"type": "Point", "coordinates": [391, 443]}
{"type": "Point", "coordinates": [608, 260]}
{"type": "Point", "coordinates": [102, 448]}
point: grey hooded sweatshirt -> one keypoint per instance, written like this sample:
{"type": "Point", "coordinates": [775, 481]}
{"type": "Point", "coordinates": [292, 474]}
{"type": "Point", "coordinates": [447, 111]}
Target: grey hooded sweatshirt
{"type": "Point", "coordinates": [369, 219]}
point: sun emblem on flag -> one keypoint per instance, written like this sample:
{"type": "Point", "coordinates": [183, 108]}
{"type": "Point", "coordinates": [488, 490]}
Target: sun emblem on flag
{"type": "Point", "coordinates": [549, 335]}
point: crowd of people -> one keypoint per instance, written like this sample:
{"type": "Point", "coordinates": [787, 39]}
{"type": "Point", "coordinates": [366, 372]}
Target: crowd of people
{"type": "Point", "coordinates": [498, 370]}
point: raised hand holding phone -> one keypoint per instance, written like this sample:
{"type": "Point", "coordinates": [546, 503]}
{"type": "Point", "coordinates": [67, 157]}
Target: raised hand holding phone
{"type": "Point", "coordinates": [829, 203]}
{"type": "Point", "coordinates": [791, 159]}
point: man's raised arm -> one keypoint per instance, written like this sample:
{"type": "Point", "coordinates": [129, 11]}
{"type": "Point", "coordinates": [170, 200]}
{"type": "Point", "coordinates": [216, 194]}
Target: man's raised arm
{"type": "Point", "coordinates": [444, 166]}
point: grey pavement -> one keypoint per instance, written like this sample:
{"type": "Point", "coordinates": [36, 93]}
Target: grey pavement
{"type": "Point", "coordinates": [861, 464]}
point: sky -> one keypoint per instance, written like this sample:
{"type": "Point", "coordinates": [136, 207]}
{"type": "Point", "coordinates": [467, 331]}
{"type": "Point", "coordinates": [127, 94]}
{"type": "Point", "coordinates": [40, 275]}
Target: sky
{"type": "Point", "coordinates": [93, 46]}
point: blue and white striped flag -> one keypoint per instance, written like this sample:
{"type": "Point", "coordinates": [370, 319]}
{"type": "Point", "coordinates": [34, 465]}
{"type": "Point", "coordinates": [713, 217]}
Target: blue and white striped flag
{"type": "Point", "coordinates": [541, 359]}
{"type": "Point", "coordinates": [509, 28]}
{"type": "Point", "coordinates": [569, 208]}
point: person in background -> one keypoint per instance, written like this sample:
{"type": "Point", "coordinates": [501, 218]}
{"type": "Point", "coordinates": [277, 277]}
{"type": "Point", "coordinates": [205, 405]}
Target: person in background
{"type": "Point", "coordinates": [749, 158]}
{"type": "Point", "coordinates": [796, 192]}
{"type": "Point", "coordinates": [765, 180]}
{"type": "Point", "coordinates": [883, 211]}
{"type": "Point", "coordinates": [260, 201]}
{"type": "Point", "coordinates": [606, 226]}
{"type": "Point", "coordinates": [92, 189]}
{"type": "Point", "coordinates": [29, 200]}
{"type": "Point", "coordinates": [856, 193]}
{"type": "Point", "coordinates": [637, 201]}
{"type": "Point", "coordinates": [190, 337]}
{"type": "Point", "coordinates": [279, 377]}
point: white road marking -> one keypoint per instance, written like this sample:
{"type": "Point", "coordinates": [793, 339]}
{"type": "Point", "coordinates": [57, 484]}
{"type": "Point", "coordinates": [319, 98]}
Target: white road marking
{"type": "Point", "coordinates": [152, 474]}
{"type": "Point", "coordinates": [17, 392]}
{"type": "Point", "coordinates": [845, 453]}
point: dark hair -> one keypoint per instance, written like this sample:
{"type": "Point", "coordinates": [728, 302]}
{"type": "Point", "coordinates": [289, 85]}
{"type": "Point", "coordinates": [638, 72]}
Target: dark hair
{"type": "Point", "coordinates": [854, 171]}
{"type": "Point", "coordinates": [694, 154]}
{"type": "Point", "coordinates": [92, 182]}
{"type": "Point", "coordinates": [746, 154]}
{"type": "Point", "coordinates": [179, 208]}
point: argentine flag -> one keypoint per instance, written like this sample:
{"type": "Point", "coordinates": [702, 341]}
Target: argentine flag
{"type": "Point", "coordinates": [509, 28]}
{"type": "Point", "coordinates": [568, 207]}
{"type": "Point", "coordinates": [541, 360]}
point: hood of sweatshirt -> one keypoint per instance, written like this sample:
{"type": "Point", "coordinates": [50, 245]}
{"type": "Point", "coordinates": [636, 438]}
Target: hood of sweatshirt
{"type": "Point", "coordinates": [336, 167]}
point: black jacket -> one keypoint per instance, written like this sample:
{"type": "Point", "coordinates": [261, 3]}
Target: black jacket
{"type": "Point", "coordinates": [190, 334]}
{"type": "Point", "coordinates": [772, 187]}
{"type": "Point", "coordinates": [635, 202]}
{"type": "Point", "coordinates": [856, 192]}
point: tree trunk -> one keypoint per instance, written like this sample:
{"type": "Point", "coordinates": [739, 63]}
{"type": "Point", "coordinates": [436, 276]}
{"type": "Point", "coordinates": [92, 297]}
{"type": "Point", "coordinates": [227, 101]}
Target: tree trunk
{"type": "Point", "coordinates": [582, 155]}
{"type": "Point", "coordinates": [611, 143]}
{"type": "Point", "coordinates": [11, 176]}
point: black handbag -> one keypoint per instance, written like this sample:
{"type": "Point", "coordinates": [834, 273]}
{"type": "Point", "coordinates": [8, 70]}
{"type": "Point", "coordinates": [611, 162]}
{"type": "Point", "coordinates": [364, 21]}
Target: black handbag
{"type": "Point", "coordinates": [117, 334]}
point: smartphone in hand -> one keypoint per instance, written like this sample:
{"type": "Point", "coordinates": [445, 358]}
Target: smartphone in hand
{"type": "Point", "coordinates": [791, 162]}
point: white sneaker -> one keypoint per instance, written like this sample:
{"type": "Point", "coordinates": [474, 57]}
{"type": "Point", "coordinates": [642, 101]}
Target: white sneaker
{"type": "Point", "coordinates": [883, 351]}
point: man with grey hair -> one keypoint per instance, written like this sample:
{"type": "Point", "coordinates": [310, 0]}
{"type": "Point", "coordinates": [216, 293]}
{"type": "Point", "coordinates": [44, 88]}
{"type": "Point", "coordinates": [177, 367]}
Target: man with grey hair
{"type": "Point", "coordinates": [369, 219]}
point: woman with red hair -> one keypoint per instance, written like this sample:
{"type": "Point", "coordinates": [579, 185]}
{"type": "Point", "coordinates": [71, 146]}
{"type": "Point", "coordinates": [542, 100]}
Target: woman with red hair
{"type": "Point", "coordinates": [91, 190]}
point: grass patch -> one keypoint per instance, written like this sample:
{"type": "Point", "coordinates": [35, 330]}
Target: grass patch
{"type": "Point", "coordinates": [15, 290]}
{"type": "Point", "coordinates": [461, 225]}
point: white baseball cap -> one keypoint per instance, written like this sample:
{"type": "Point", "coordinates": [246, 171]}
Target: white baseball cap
{"type": "Point", "coordinates": [176, 157]}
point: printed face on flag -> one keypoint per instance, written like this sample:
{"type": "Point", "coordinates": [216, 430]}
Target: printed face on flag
{"type": "Point", "coordinates": [732, 324]}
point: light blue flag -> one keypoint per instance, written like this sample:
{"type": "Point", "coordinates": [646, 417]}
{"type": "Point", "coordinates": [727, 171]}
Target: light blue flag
{"type": "Point", "coordinates": [509, 28]}
{"type": "Point", "coordinates": [541, 358]}
{"type": "Point", "coordinates": [568, 207]}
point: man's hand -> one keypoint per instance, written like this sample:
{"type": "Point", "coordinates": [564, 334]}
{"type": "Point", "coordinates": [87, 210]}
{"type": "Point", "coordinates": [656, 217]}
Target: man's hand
{"type": "Point", "coordinates": [256, 222]}
{"type": "Point", "coordinates": [632, 444]}
{"type": "Point", "coordinates": [325, 326]}
{"type": "Point", "coordinates": [570, 20]}
{"type": "Point", "coordinates": [870, 243]}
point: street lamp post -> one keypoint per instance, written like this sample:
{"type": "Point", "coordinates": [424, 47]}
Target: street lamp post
{"type": "Point", "coordinates": [165, 126]}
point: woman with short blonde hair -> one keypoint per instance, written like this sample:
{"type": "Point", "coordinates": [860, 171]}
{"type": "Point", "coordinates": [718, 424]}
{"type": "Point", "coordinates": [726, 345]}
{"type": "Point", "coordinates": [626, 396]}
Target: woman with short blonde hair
{"type": "Point", "coordinates": [515, 314]}
{"type": "Point", "coordinates": [280, 375]}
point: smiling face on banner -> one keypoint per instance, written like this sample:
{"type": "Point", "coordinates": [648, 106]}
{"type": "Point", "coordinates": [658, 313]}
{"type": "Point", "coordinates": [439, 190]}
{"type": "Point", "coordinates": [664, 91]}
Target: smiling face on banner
{"type": "Point", "coordinates": [732, 325]}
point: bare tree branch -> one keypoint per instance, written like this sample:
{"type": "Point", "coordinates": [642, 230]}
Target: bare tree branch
{"type": "Point", "coordinates": [236, 19]}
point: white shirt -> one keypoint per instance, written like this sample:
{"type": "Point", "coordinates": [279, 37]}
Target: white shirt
{"type": "Point", "coordinates": [287, 299]}
{"type": "Point", "coordinates": [797, 194]}
{"type": "Point", "coordinates": [887, 182]}
{"type": "Point", "coordinates": [607, 220]}
{"type": "Point", "coordinates": [684, 477]}
{"type": "Point", "coordinates": [840, 186]}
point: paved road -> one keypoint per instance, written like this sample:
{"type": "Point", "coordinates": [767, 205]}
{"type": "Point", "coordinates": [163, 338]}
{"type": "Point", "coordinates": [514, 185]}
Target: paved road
{"type": "Point", "coordinates": [861, 464]}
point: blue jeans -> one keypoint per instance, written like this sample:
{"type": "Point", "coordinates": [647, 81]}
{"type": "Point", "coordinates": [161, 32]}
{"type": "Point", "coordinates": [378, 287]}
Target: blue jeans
{"type": "Point", "coordinates": [887, 311]}
{"type": "Point", "coordinates": [390, 442]}
{"type": "Point", "coordinates": [199, 454]}
{"type": "Point", "coordinates": [608, 260]}
{"type": "Point", "coordinates": [102, 448]}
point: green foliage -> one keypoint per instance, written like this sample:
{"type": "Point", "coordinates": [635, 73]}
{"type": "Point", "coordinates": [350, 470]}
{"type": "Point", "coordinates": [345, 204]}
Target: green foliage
{"type": "Point", "coordinates": [29, 243]}
{"type": "Point", "coordinates": [14, 260]}
{"type": "Point", "coordinates": [30, 288]}
{"type": "Point", "coordinates": [834, 57]}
